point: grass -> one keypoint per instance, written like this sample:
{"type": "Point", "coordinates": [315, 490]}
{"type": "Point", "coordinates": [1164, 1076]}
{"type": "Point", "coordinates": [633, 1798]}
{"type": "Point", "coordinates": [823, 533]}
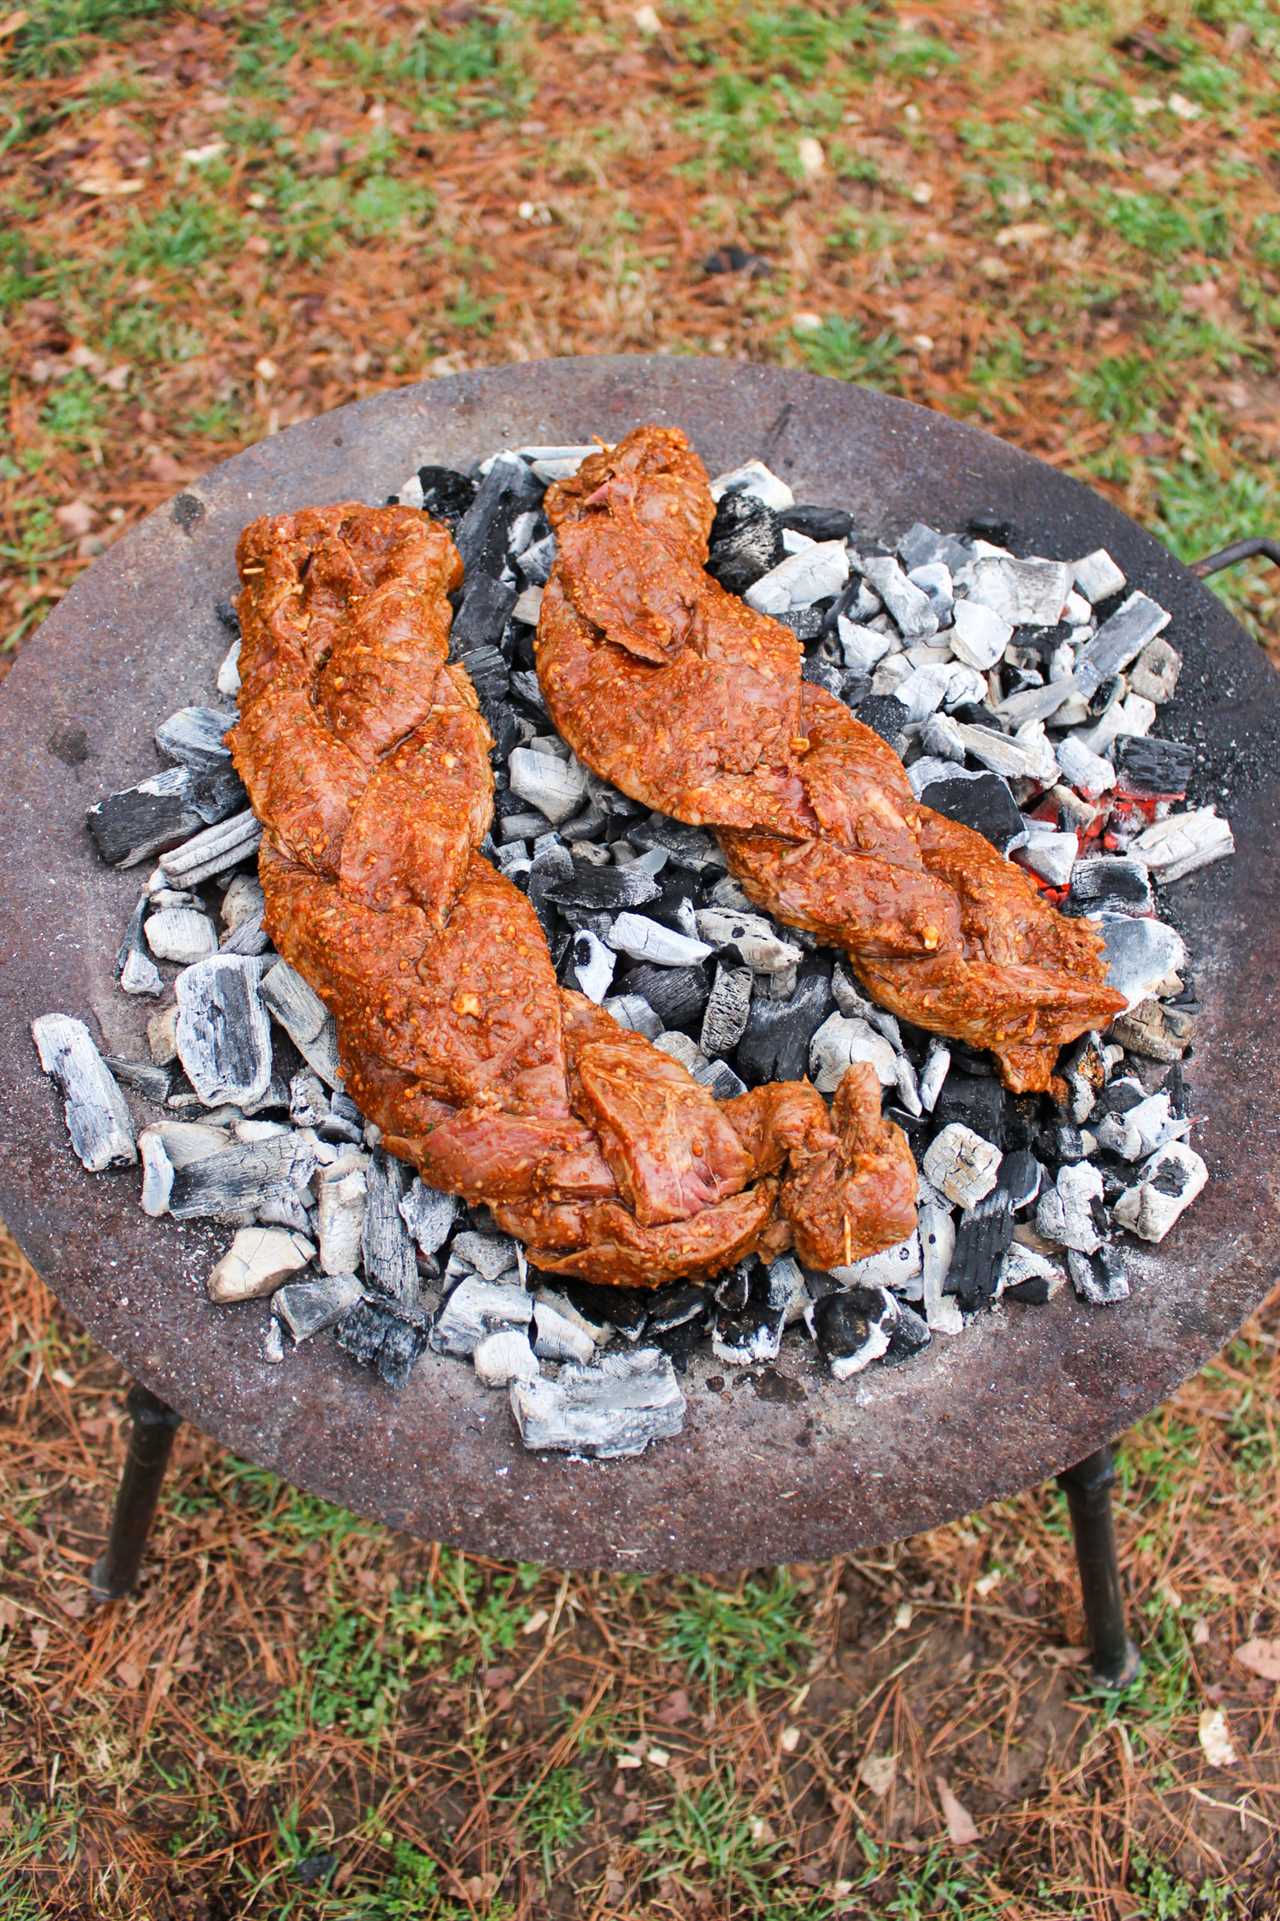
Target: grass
{"type": "Point", "coordinates": [302, 1715]}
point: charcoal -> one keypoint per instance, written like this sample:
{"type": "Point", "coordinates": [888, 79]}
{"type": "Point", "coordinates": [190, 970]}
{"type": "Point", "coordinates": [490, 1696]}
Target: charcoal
{"type": "Point", "coordinates": [853, 1328]}
{"type": "Point", "coordinates": [386, 1247]}
{"type": "Point", "coordinates": [623, 1308]}
{"type": "Point", "coordinates": [429, 1215]}
{"type": "Point", "coordinates": [1090, 774]}
{"type": "Point", "coordinates": [885, 716]}
{"type": "Point", "coordinates": [474, 1308]}
{"type": "Point", "coordinates": [633, 1012]}
{"type": "Point", "coordinates": [819, 523]}
{"type": "Point", "coordinates": [308, 1100]}
{"type": "Point", "coordinates": [840, 1041]}
{"type": "Point", "coordinates": [1148, 1124]}
{"type": "Point", "coordinates": [671, 1306]}
{"type": "Point", "coordinates": [755, 479]}
{"type": "Point", "coordinates": [504, 1356]}
{"type": "Point", "coordinates": [1155, 1030]}
{"type": "Point", "coordinates": [537, 560]}
{"type": "Point", "coordinates": [908, 1336]}
{"type": "Point", "coordinates": [1179, 845]}
{"type": "Point", "coordinates": [1099, 1278]}
{"type": "Point", "coordinates": [1030, 1277]}
{"type": "Point", "coordinates": [528, 606]}
{"type": "Point", "coordinates": [550, 1300]}
{"type": "Point", "coordinates": [211, 852]}
{"type": "Point", "coordinates": [899, 1267]}
{"type": "Point", "coordinates": [982, 1241]}
{"type": "Point", "coordinates": [557, 788]}
{"type": "Point", "coordinates": [692, 848]}
{"type": "Point", "coordinates": [1143, 957]}
{"type": "Point", "coordinates": [525, 687]}
{"type": "Point", "coordinates": [937, 1232]}
{"type": "Point", "coordinates": [140, 822]}
{"type": "Point", "coordinates": [1169, 1183]}
{"type": "Point", "coordinates": [727, 1010]}
{"type": "Point", "coordinates": [981, 801]}
{"type": "Point", "coordinates": [144, 1077]}
{"type": "Point", "coordinates": [746, 541]}
{"type": "Point", "coordinates": [752, 1333]}
{"type": "Point", "coordinates": [258, 1260]}
{"type": "Point", "coordinates": [218, 795]}
{"type": "Point", "coordinates": [806, 623]}
{"type": "Point", "coordinates": [1049, 853]}
{"type": "Point", "coordinates": [962, 1165]}
{"type": "Point", "coordinates": [923, 689]}
{"type": "Point", "coordinates": [909, 607]}
{"type": "Point", "coordinates": [1119, 640]}
{"type": "Point", "coordinates": [933, 1077]}
{"type": "Point", "coordinates": [223, 1035]}
{"type": "Point", "coordinates": [445, 495]}
{"type": "Point", "coordinates": [977, 1101]}
{"type": "Point", "coordinates": [97, 1116]}
{"type": "Point", "coordinates": [775, 1042]}
{"type": "Point", "coordinates": [604, 889]}
{"type": "Point", "coordinates": [304, 1018]}
{"type": "Point", "coordinates": [136, 972]}
{"type": "Point", "coordinates": [1023, 755]}
{"type": "Point", "coordinates": [680, 1344]}
{"type": "Point", "coordinates": [733, 1288]}
{"type": "Point", "coordinates": [181, 934]}
{"type": "Point", "coordinates": [374, 1335]}
{"type": "Point", "coordinates": [228, 675]}
{"type": "Point", "coordinates": [922, 544]}
{"type": "Point", "coordinates": [1020, 1178]}
{"type": "Point", "coordinates": [682, 1048]}
{"type": "Point", "coordinates": [861, 648]}
{"type": "Point", "coordinates": [934, 579]}
{"type": "Point", "coordinates": [613, 1406]}
{"type": "Point", "coordinates": [1067, 1214]}
{"type": "Point", "coordinates": [720, 1080]}
{"type": "Point", "coordinates": [491, 1255]}
{"type": "Point", "coordinates": [195, 737]}
{"type": "Point", "coordinates": [648, 940]}
{"type": "Point", "coordinates": [260, 1180]}
{"type": "Point", "coordinates": [801, 579]}
{"type": "Point", "coordinates": [1154, 674]}
{"type": "Point", "coordinates": [593, 964]}
{"type": "Point", "coordinates": [480, 620]}
{"type": "Point", "coordinates": [509, 489]}
{"type": "Point", "coordinates": [490, 675]}
{"type": "Point", "coordinates": [1097, 576]}
{"type": "Point", "coordinates": [1150, 766]}
{"type": "Point", "coordinates": [752, 936]}
{"type": "Point", "coordinates": [1109, 884]}
{"type": "Point", "coordinates": [308, 1307]}
{"type": "Point", "coordinates": [1026, 593]}
{"type": "Point", "coordinates": [341, 1201]}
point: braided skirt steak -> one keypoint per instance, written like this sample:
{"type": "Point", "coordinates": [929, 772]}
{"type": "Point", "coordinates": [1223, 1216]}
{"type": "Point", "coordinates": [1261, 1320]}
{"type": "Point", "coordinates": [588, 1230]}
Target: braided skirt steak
{"type": "Point", "coordinates": [366, 758]}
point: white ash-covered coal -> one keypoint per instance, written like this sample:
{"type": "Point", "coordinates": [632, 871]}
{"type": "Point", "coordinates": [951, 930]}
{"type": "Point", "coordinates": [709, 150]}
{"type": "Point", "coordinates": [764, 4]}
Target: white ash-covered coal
{"type": "Point", "coordinates": [1023, 695]}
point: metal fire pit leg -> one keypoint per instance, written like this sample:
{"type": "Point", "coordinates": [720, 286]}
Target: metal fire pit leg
{"type": "Point", "coordinates": [1088, 1488]}
{"type": "Point", "coordinates": [153, 1426]}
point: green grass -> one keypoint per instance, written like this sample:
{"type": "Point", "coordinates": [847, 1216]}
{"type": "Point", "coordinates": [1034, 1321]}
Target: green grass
{"type": "Point", "coordinates": [553, 1816]}
{"type": "Point", "coordinates": [1167, 1897]}
{"type": "Point", "coordinates": [737, 1643]}
{"type": "Point", "coordinates": [181, 236]}
{"type": "Point", "coordinates": [58, 36]}
{"type": "Point", "coordinates": [707, 1842]}
{"type": "Point", "coordinates": [842, 349]}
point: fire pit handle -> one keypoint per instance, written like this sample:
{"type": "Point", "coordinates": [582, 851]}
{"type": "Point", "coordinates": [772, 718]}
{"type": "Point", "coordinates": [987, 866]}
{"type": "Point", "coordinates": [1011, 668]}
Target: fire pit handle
{"type": "Point", "coordinates": [1237, 551]}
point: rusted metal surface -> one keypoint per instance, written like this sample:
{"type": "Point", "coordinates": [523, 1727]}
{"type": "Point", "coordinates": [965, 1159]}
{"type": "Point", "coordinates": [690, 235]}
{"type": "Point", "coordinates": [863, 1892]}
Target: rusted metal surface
{"type": "Point", "coordinates": [774, 1466]}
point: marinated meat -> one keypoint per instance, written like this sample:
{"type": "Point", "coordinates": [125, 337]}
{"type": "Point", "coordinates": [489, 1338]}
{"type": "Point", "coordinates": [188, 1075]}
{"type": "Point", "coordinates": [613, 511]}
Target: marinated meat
{"type": "Point", "coordinates": [367, 760]}
{"type": "Point", "coordinates": [688, 700]}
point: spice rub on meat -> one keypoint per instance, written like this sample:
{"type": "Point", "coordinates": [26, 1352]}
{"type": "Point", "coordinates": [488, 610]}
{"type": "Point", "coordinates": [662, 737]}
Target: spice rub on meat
{"type": "Point", "coordinates": [690, 701]}
{"type": "Point", "coordinates": [367, 760]}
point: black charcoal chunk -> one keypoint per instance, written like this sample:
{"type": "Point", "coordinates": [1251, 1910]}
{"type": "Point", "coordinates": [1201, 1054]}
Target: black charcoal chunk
{"type": "Point", "coordinates": [510, 488]}
{"type": "Point", "coordinates": [1110, 884]}
{"type": "Point", "coordinates": [1147, 765]}
{"type": "Point", "coordinates": [775, 1041]}
{"type": "Point", "coordinates": [823, 674]}
{"type": "Point", "coordinates": [194, 736]}
{"type": "Point", "coordinates": [1020, 1177]}
{"type": "Point", "coordinates": [223, 1034]}
{"type": "Point", "coordinates": [136, 971]}
{"type": "Point", "coordinates": [603, 890]}
{"type": "Point", "coordinates": [908, 1334]}
{"type": "Point", "coordinates": [218, 795]}
{"type": "Point", "coordinates": [553, 865]}
{"type": "Point", "coordinates": [733, 1288]}
{"type": "Point", "coordinates": [852, 1328]}
{"type": "Point", "coordinates": [624, 1308]}
{"type": "Point", "coordinates": [490, 675]}
{"type": "Point", "coordinates": [613, 1406]}
{"type": "Point", "coordinates": [446, 496]}
{"type": "Point", "coordinates": [479, 622]}
{"type": "Point", "coordinates": [727, 1010]}
{"type": "Point", "coordinates": [251, 1181]}
{"type": "Point", "coordinates": [140, 822]}
{"type": "Point", "coordinates": [746, 541]}
{"type": "Point", "coordinates": [386, 1246]}
{"type": "Point", "coordinates": [376, 1336]}
{"type": "Point", "coordinates": [691, 847]}
{"type": "Point", "coordinates": [981, 801]}
{"type": "Point", "coordinates": [885, 715]}
{"type": "Point", "coordinates": [975, 1100]}
{"type": "Point", "coordinates": [228, 616]}
{"type": "Point", "coordinates": [819, 523]}
{"type": "Point", "coordinates": [677, 995]}
{"type": "Point", "coordinates": [308, 1307]}
{"type": "Point", "coordinates": [526, 689]}
{"type": "Point", "coordinates": [537, 560]}
{"type": "Point", "coordinates": [983, 1236]}
{"type": "Point", "coordinates": [806, 623]}
{"type": "Point", "coordinates": [1099, 1278]}
{"type": "Point", "coordinates": [153, 1083]}
{"type": "Point", "coordinates": [672, 1306]}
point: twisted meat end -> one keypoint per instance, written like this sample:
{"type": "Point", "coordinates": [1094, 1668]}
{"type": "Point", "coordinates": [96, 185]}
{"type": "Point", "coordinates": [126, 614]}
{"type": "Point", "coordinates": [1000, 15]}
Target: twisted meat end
{"type": "Point", "coordinates": [366, 757]}
{"type": "Point", "coordinates": [692, 703]}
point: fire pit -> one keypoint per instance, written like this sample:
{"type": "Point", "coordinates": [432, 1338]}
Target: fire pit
{"type": "Point", "coordinates": [770, 1466]}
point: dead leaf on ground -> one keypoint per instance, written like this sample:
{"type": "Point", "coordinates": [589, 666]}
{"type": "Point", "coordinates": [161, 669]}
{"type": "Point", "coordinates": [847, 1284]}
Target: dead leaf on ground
{"type": "Point", "coordinates": [1260, 1657]}
{"type": "Point", "coordinates": [961, 1828]}
{"type": "Point", "coordinates": [1215, 1739]}
{"type": "Point", "coordinates": [878, 1772]}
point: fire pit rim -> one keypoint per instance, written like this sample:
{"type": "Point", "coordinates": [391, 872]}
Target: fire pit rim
{"type": "Point", "coordinates": [758, 1475]}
